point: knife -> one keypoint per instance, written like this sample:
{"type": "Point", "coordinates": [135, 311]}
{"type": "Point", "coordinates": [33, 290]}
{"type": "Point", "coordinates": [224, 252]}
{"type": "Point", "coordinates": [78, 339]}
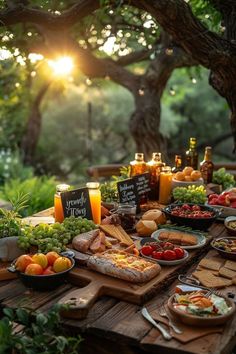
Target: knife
{"type": "Point", "coordinates": [148, 317]}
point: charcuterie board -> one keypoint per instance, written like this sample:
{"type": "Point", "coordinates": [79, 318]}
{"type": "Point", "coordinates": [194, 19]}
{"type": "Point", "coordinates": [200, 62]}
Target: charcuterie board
{"type": "Point", "coordinates": [93, 285]}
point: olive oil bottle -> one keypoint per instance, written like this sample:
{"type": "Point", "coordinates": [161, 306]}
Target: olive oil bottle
{"type": "Point", "coordinates": [192, 154]}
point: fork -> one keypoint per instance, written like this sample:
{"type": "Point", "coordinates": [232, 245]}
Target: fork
{"type": "Point", "coordinates": [149, 318]}
{"type": "Point", "coordinates": [163, 313]}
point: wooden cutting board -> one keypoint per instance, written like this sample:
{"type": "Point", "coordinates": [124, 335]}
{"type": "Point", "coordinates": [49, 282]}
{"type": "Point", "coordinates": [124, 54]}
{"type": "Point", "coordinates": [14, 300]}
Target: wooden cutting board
{"type": "Point", "coordinates": [95, 285]}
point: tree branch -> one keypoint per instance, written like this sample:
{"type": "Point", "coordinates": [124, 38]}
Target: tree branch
{"type": "Point", "coordinates": [135, 57]}
{"type": "Point", "coordinates": [21, 14]}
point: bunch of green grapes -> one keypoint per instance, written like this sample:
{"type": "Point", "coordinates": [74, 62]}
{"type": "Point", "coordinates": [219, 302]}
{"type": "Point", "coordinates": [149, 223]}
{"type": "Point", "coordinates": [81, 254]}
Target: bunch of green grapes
{"type": "Point", "coordinates": [224, 178]}
{"type": "Point", "coordinates": [76, 226]}
{"type": "Point", "coordinates": [46, 237]}
{"type": "Point", "coordinates": [191, 194]}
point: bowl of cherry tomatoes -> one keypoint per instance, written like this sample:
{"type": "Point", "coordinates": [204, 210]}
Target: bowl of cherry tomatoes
{"type": "Point", "coordinates": [165, 253]}
{"type": "Point", "coordinates": [197, 216]}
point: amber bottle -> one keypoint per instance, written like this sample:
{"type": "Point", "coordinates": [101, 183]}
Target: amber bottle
{"type": "Point", "coordinates": [207, 166]}
{"type": "Point", "coordinates": [178, 164]}
{"type": "Point", "coordinates": [154, 168]}
{"type": "Point", "coordinates": [191, 154]}
{"type": "Point", "coordinates": [138, 166]}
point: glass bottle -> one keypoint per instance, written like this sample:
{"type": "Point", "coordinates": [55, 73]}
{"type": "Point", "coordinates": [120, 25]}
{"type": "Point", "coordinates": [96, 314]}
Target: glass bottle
{"type": "Point", "coordinates": [165, 185]}
{"type": "Point", "coordinates": [58, 209]}
{"type": "Point", "coordinates": [95, 201]}
{"type": "Point", "coordinates": [178, 164]}
{"type": "Point", "coordinates": [154, 168]}
{"type": "Point", "coordinates": [191, 154]}
{"type": "Point", "coordinates": [207, 166]}
{"type": "Point", "coordinates": [138, 166]}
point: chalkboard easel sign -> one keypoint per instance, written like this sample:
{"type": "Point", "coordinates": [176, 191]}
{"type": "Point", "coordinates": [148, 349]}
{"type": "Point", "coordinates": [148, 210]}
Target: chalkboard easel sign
{"type": "Point", "coordinates": [127, 191]}
{"type": "Point", "coordinates": [76, 203]}
{"type": "Point", "coordinates": [142, 183]}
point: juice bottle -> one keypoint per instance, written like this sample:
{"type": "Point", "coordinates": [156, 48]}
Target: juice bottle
{"type": "Point", "coordinates": [58, 209]}
{"type": "Point", "coordinates": [207, 166]}
{"type": "Point", "coordinates": [191, 154]}
{"type": "Point", "coordinates": [95, 201]}
{"type": "Point", "coordinates": [154, 168]}
{"type": "Point", "coordinates": [165, 185]}
{"type": "Point", "coordinates": [138, 166]}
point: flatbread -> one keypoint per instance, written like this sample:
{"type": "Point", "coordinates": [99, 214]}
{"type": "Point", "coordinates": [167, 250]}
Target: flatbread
{"type": "Point", "coordinates": [227, 273]}
{"type": "Point", "coordinates": [230, 265]}
{"type": "Point", "coordinates": [210, 264]}
{"type": "Point", "coordinates": [208, 279]}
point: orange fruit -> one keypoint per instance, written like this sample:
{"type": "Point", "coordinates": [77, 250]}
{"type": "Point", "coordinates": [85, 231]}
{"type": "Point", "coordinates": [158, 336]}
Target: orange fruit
{"type": "Point", "coordinates": [179, 176]}
{"type": "Point", "coordinates": [187, 171]}
{"type": "Point", "coordinates": [34, 269]}
{"type": "Point", "coordinates": [51, 257]}
{"type": "Point", "coordinates": [40, 258]}
{"type": "Point", "coordinates": [61, 264]}
{"type": "Point", "coordinates": [22, 262]}
{"type": "Point", "coordinates": [188, 179]}
{"type": "Point", "coordinates": [195, 175]}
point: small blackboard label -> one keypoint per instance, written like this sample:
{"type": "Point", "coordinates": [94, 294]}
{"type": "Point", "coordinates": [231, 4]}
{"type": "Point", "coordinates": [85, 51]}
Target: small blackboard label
{"type": "Point", "coordinates": [127, 191]}
{"type": "Point", "coordinates": [76, 203]}
{"type": "Point", "coordinates": [142, 183]}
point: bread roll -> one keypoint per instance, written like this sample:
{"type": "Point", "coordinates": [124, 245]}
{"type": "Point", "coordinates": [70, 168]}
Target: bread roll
{"type": "Point", "coordinates": [155, 215]}
{"type": "Point", "coordinates": [146, 227]}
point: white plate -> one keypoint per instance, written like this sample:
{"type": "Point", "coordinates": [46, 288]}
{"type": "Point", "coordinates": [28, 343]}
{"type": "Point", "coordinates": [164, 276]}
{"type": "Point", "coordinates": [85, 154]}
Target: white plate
{"type": "Point", "coordinates": [167, 263]}
{"type": "Point", "coordinates": [225, 211]}
{"type": "Point", "coordinates": [201, 238]}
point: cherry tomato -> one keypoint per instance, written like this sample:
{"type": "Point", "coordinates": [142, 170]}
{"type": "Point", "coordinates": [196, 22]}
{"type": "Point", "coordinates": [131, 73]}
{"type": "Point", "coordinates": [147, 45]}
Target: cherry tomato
{"type": "Point", "coordinates": [168, 246]}
{"type": "Point", "coordinates": [169, 255]}
{"type": "Point", "coordinates": [186, 207]}
{"type": "Point", "coordinates": [157, 254]}
{"type": "Point", "coordinates": [147, 250]}
{"type": "Point", "coordinates": [196, 208]}
{"type": "Point", "coordinates": [179, 252]}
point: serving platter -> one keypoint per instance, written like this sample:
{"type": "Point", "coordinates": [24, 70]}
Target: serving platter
{"type": "Point", "coordinates": [200, 237]}
{"type": "Point", "coordinates": [167, 263]}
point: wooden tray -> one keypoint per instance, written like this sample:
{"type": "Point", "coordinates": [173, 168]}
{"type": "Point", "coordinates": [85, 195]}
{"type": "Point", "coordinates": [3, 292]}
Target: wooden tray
{"type": "Point", "coordinates": [95, 285]}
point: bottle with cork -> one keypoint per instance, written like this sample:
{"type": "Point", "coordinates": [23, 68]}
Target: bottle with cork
{"type": "Point", "coordinates": [178, 164]}
{"type": "Point", "coordinates": [138, 166]}
{"type": "Point", "coordinates": [154, 168]}
{"type": "Point", "coordinates": [192, 154]}
{"type": "Point", "coordinates": [207, 166]}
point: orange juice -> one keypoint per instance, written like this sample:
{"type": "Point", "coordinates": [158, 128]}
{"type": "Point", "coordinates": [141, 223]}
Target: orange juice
{"type": "Point", "coordinates": [165, 185]}
{"type": "Point", "coordinates": [58, 209]}
{"type": "Point", "coordinates": [95, 201]}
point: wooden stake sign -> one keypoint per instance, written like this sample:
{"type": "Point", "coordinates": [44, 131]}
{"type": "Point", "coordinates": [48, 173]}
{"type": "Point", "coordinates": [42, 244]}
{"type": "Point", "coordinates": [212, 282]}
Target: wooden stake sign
{"type": "Point", "coordinates": [76, 203]}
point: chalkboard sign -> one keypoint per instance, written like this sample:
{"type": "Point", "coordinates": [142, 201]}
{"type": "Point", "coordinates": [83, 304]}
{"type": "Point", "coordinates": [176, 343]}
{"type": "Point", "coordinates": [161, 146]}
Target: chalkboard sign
{"type": "Point", "coordinates": [142, 183]}
{"type": "Point", "coordinates": [127, 191]}
{"type": "Point", "coordinates": [76, 203]}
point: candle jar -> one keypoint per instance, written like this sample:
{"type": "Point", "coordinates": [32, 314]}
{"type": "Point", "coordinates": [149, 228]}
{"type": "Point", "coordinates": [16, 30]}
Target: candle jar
{"type": "Point", "coordinates": [95, 201]}
{"type": "Point", "coordinates": [58, 209]}
{"type": "Point", "coordinates": [127, 213]}
{"type": "Point", "coordinates": [165, 185]}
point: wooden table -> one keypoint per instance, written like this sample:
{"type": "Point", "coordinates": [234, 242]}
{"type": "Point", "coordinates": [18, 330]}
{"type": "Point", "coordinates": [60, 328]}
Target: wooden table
{"type": "Point", "coordinates": [114, 326]}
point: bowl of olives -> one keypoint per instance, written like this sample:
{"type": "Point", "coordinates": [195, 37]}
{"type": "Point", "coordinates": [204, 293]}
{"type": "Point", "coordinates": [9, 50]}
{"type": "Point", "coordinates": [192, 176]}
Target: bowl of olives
{"type": "Point", "coordinates": [226, 247]}
{"type": "Point", "coordinates": [230, 224]}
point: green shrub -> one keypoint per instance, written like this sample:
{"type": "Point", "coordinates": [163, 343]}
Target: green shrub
{"type": "Point", "coordinates": [40, 333]}
{"type": "Point", "coordinates": [40, 189]}
{"type": "Point", "coordinates": [11, 166]}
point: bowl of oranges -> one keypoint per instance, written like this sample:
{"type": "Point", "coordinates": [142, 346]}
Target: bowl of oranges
{"type": "Point", "coordinates": [42, 271]}
{"type": "Point", "coordinates": [187, 177]}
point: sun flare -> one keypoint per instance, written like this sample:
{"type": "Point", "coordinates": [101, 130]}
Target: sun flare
{"type": "Point", "coordinates": [61, 66]}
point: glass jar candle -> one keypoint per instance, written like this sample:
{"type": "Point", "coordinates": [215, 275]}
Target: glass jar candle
{"type": "Point", "coordinates": [58, 209]}
{"type": "Point", "coordinates": [165, 185]}
{"type": "Point", "coordinates": [95, 201]}
{"type": "Point", "coordinates": [127, 214]}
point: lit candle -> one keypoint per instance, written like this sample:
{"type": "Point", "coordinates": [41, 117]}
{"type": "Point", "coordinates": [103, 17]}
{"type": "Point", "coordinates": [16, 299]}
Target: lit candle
{"type": "Point", "coordinates": [165, 185]}
{"type": "Point", "coordinates": [95, 201]}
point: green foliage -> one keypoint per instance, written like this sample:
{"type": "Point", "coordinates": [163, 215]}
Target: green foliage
{"type": "Point", "coordinates": [224, 178]}
{"type": "Point", "coordinates": [40, 333]}
{"type": "Point", "coordinates": [40, 190]}
{"type": "Point", "coordinates": [109, 190]}
{"type": "Point", "coordinates": [11, 166]}
{"type": "Point", "coordinates": [190, 194]}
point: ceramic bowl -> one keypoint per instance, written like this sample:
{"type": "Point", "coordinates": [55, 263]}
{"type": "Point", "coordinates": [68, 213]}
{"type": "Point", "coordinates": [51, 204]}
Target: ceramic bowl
{"type": "Point", "coordinates": [224, 254]}
{"type": "Point", "coordinates": [227, 222]}
{"type": "Point", "coordinates": [193, 320]}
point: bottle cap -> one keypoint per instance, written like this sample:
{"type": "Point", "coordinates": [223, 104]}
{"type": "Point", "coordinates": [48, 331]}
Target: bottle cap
{"type": "Point", "coordinates": [62, 187]}
{"type": "Point", "coordinates": [156, 156]}
{"type": "Point", "coordinates": [92, 185]}
{"type": "Point", "coordinates": [139, 156]}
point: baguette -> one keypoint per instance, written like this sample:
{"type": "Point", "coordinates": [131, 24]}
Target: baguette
{"type": "Point", "coordinates": [121, 265]}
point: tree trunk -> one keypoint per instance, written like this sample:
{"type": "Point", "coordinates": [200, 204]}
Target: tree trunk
{"type": "Point", "coordinates": [145, 123]}
{"type": "Point", "coordinates": [31, 137]}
